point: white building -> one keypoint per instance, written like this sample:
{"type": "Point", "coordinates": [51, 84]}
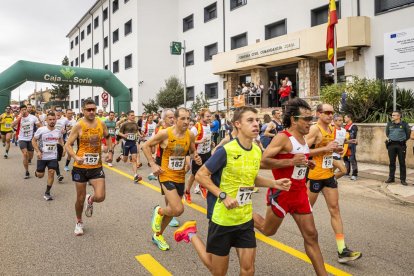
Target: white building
{"type": "Point", "coordinates": [244, 37]}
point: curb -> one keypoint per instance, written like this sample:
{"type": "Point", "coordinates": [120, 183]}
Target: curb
{"type": "Point", "coordinates": [396, 197]}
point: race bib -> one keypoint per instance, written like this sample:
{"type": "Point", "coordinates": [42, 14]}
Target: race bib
{"type": "Point", "coordinates": [131, 136]}
{"type": "Point", "coordinates": [49, 148]}
{"type": "Point", "coordinates": [6, 125]}
{"type": "Point", "coordinates": [327, 162]}
{"type": "Point", "coordinates": [244, 195]}
{"type": "Point", "coordinates": [176, 163]}
{"type": "Point", "coordinates": [299, 172]}
{"type": "Point", "coordinates": [91, 159]}
{"type": "Point", "coordinates": [111, 131]}
{"type": "Point", "coordinates": [150, 131]}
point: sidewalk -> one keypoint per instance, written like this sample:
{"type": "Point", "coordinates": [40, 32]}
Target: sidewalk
{"type": "Point", "coordinates": [404, 194]}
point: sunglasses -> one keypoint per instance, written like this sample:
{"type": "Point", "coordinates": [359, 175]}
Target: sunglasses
{"type": "Point", "coordinates": [328, 112]}
{"type": "Point", "coordinates": [305, 118]}
{"type": "Point", "coordinates": [90, 109]}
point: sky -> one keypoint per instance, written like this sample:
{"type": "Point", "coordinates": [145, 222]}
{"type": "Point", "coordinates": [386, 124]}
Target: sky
{"type": "Point", "coordinates": [36, 31]}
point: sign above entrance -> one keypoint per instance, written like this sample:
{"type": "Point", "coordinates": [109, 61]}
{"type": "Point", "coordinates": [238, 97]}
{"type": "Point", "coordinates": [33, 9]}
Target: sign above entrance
{"type": "Point", "coordinates": [269, 50]}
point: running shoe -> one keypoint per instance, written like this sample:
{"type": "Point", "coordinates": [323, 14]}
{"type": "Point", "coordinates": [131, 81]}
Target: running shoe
{"type": "Point", "coordinates": [79, 229]}
{"type": "Point", "coordinates": [137, 178]}
{"type": "Point", "coordinates": [27, 175]}
{"type": "Point", "coordinates": [6, 156]}
{"type": "Point", "coordinates": [160, 242]}
{"type": "Point", "coordinates": [348, 255]}
{"type": "Point", "coordinates": [156, 220]}
{"type": "Point", "coordinates": [118, 159]}
{"type": "Point", "coordinates": [60, 178]}
{"type": "Point", "coordinates": [197, 189]}
{"type": "Point", "coordinates": [187, 197]}
{"type": "Point", "coordinates": [47, 197]}
{"type": "Point", "coordinates": [110, 164]}
{"type": "Point", "coordinates": [203, 192]}
{"type": "Point", "coordinates": [174, 222]}
{"type": "Point", "coordinates": [66, 168]}
{"type": "Point", "coordinates": [181, 234]}
{"type": "Point", "coordinates": [89, 206]}
{"type": "Point", "coordinates": [152, 177]}
{"type": "Point", "coordinates": [353, 178]}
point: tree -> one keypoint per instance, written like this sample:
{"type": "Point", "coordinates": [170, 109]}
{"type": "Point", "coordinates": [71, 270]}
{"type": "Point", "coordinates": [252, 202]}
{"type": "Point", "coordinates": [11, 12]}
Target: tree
{"type": "Point", "coordinates": [151, 107]}
{"type": "Point", "coordinates": [172, 95]}
{"type": "Point", "coordinates": [61, 91]}
{"type": "Point", "coordinates": [199, 103]}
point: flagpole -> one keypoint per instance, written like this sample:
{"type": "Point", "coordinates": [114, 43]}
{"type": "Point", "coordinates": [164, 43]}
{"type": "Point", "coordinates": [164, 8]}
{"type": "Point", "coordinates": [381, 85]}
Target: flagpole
{"type": "Point", "coordinates": [335, 58]}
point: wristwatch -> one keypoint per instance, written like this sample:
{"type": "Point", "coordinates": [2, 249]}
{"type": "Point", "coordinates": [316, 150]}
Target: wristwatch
{"type": "Point", "coordinates": [222, 196]}
{"type": "Point", "coordinates": [111, 151]}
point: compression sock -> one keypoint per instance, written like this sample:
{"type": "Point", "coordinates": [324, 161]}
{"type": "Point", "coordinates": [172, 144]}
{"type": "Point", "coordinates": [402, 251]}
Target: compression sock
{"type": "Point", "coordinates": [340, 242]}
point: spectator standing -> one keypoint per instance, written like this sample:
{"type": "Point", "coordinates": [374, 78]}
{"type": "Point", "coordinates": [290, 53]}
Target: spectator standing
{"type": "Point", "coordinates": [265, 140]}
{"type": "Point", "coordinates": [222, 125]}
{"type": "Point", "coordinates": [398, 132]}
{"type": "Point", "coordinates": [215, 128]}
{"type": "Point", "coordinates": [350, 157]}
{"type": "Point", "coordinates": [284, 93]}
{"type": "Point", "coordinates": [271, 91]}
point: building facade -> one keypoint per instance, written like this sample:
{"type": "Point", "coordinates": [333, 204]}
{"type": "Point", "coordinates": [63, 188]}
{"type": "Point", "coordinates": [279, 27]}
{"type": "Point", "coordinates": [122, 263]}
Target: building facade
{"type": "Point", "coordinates": [230, 42]}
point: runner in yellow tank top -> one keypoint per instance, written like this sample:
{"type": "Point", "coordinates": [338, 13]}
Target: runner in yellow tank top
{"type": "Point", "coordinates": [321, 136]}
{"type": "Point", "coordinates": [6, 129]}
{"type": "Point", "coordinates": [87, 167]}
{"type": "Point", "coordinates": [175, 142]}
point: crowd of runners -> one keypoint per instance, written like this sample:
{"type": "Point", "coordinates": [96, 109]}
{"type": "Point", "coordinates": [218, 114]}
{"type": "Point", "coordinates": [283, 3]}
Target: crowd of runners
{"type": "Point", "coordinates": [303, 149]}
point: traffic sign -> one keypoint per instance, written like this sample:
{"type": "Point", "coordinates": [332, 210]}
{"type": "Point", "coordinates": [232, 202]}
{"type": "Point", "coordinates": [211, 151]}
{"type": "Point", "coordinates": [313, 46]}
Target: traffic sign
{"type": "Point", "coordinates": [105, 96]}
{"type": "Point", "coordinates": [175, 48]}
{"type": "Point", "coordinates": [104, 103]}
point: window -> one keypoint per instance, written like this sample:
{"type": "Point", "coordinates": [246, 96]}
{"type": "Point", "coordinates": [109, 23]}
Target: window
{"type": "Point", "coordinates": [77, 104]}
{"type": "Point", "coordinates": [82, 58]}
{"type": "Point", "coordinates": [190, 93]}
{"type": "Point", "coordinates": [327, 72]}
{"type": "Point", "coordinates": [188, 23]}
{"type": "Point", "coordinates": [189, 58]}
{"type": "Point", "coordinates": [96, 48]}
{"type": "Point", "coordinates": [379, 67]}
{"type": "Point", "coordinates": [106, 67]}
{"type": "Point", "coordinates": [320, 15]}
{"type": "Point", "coordinates": [211, 91]}
{"type": "Point", "coordinates": [89, 53]}
{"type": "Point", "coordinates": [105, 14]}
{"type": "Point", "coordinates": [275, 29]}
{"type": "Point", "coordinates": [76, 62]}
{"type": "Point", "coordinates": [115, 66]}
{"type": "Point", "coordinates": [115, 36]}
{"type": "Point", "coordinates": [131, 94]}
{"type": "Point", "coordinates": [128, 61]}
{"type": "Point", "coordinates": [237, 3]}
{"type": "Point", "coordinates": [71, 63]}
{"type": "Point", "coordinates": [76, 40]}
{"type": "Point", "coordinates": [105, 42]}
{"type": "Point", "coordinates": [82, 35]}
{"type": "Point", "coordinates": [96, 22]}
{"type": "Point", "coordinates": [115, 6]}
{"type": "Point", "coordinates": [388, 5]}
{"type": "Point", "coordinates": [210, 12]}
{"type": "Point", "coordinates": [128, 27]}
{"type": "Point", "coordinates": [88, 29]}
{"type": "Point", "coordinates": [96, 100]}
{"type": "Point", "coordinates": [71, 44]}
{"type": "Point", "coordinates": [71, 104]}
{"type": "Point", "coordinates": [239, 41]}
{"type": "Point", "coordinates": [210, 51]}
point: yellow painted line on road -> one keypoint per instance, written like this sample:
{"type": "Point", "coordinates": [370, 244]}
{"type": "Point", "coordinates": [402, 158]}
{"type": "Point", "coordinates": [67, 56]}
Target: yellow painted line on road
{"type": "Point", "coordinates": [151, 264]}
{"type": "Point", "coordinates": [283, 247]}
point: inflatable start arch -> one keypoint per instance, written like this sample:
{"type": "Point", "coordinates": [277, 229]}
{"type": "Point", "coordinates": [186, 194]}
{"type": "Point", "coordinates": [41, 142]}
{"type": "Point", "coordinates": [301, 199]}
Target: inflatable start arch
{"type": "Point", "coordinates": [23, 71]}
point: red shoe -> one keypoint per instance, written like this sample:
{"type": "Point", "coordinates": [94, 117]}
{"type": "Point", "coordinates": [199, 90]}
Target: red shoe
{"type": "Point", "coordinates": [181, 234]}
{"type": "Point", "coordinates": [203, 192]}
{"type": "Point", "coordinates": [187, 197]}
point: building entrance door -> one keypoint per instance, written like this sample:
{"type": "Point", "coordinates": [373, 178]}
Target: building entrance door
{"type": "Point", "coordinates": [277, 74]}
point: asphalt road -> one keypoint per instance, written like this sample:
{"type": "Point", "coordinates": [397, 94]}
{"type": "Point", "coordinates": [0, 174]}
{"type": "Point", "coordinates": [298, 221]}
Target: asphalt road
{"type": "Point", "coordinates": [36, 237]}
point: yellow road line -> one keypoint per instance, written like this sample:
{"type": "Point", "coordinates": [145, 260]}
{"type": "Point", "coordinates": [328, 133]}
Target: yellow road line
{"type": "Point", "coordinates": [283, 247]}
{"type": "Point", "coordinates": [151, 264]}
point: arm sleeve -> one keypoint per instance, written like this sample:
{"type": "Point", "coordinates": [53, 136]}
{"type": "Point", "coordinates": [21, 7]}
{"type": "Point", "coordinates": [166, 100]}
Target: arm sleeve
{"type": "Point", "coordinates": [217, 161]}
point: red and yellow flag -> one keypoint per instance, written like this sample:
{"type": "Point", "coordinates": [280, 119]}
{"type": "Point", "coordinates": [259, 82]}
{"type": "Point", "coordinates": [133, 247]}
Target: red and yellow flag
{"type": "Point", "coordinates": [332, 20]}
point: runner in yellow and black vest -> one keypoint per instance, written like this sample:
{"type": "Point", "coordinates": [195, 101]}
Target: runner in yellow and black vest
{"type": "Point", "coordinates": [321, 138]}
{"type": "Point", "coordinates": [87, 166]}
{"type": "Point", "coordinates": [6, 129]}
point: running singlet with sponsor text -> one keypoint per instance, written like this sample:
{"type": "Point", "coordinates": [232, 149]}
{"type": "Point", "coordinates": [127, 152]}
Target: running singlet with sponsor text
{"type": "Point", "coordinates": [173, 157]}
{"type": "Point", "coordinates": [89, 145]}
{"type": "Point", "coordinates": [6, 122]}
{"type": "Point", "coordinates": [205, 146]}
{"type": "Point", "coordinates": [26, 127]}
{"type": "Point", "coordinates": [48, 140]}
{"type": "Point", "coordinates": [297, 174]}
{"type": "Point", "coordinates": [323, 162]}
